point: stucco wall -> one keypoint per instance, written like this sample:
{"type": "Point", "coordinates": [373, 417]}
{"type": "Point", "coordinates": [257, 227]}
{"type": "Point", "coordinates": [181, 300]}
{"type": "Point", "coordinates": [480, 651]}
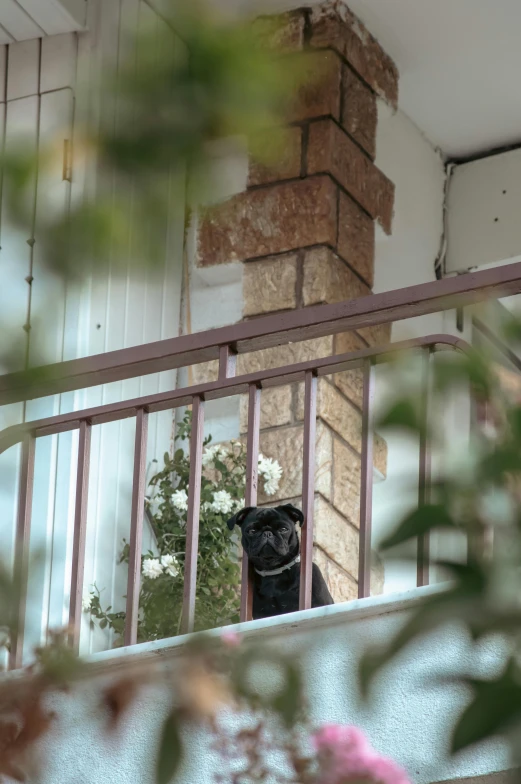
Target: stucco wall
{"type": "Point", "coordinates": [406, 258]}
{"type": "Point", "coordinates": [410, 720]}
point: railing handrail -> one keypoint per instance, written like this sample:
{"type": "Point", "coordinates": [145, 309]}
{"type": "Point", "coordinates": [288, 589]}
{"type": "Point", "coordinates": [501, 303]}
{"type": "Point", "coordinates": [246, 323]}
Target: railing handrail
{"type": "Point", "coordinates": [223, 387]}
{"type": "Point", "coordinates": [265, 332]}
{"type": "Point", "coordinates": [227, 384]}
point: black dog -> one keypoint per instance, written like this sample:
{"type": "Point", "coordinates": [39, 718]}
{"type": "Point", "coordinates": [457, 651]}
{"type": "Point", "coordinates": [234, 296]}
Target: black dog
{"type": "Point", "coordinates": [270, 540]}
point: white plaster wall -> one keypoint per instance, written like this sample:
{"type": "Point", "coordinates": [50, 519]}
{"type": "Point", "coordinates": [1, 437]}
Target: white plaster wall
{"type": "Point", "coordinates": [215, 292]}
{"type": "Point", "coordinates": [406, 258]}
{"type": "Point", "coordinates": [410, 719]}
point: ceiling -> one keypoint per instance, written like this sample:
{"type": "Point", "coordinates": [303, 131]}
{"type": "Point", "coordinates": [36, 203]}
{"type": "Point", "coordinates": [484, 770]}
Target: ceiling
{"type": "Point", "coordinates": [459, 63]}
{"type": "Point", "coordinates": [460, 67]}
{"type": "Point", "coordinates": [21, 20]}
{"type": "Point", "coordinates": [459, 60]}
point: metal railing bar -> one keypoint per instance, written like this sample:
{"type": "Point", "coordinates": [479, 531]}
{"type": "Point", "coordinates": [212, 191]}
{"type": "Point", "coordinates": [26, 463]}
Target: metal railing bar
{"type": "Point", "coordinates": [222, 388]}
{"type": "Point", "coordinates": [308, 489]}
{"type": "Point", "coordinates": [136, 528]}
{"type": "Point", "coordinates": [250, 496]}
{"type": "Point", "coordinates": [21, 559]}
{"type": "Point", "coordinates": [366, 482]}
{"type": "Point", "coordinates": [264, 332]}
{"type": "Point", "coordinates": [227, 362]}
{"type": "Point", "coordinates": [192, 518]}
{"type": "Point", "coordinates": [80, 530]}
{"type": "Point", "coordinates": [480, 544]}
{"type": "Point", "coordinates": [424, 474]}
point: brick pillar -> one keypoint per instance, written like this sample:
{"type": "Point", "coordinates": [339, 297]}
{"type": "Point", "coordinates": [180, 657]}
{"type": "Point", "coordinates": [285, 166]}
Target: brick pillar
{"type": "Point", "coordinates": [305, 229]}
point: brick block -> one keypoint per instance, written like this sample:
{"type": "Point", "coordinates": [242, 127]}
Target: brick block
{"type": "Point", "coordinates": [333, 25]}
{"type": "Point", "coordinates": [270, 284]}
{"type": "Point", "coordinates": [378, 335]}
{"type": "Point", "coordinates": [284, 33]}
{"type": "Point", "coordinates": [205, 372]}
{"type": "Point", "coordinates": [335, 536]}
{"type": "Point", "coordinates": [320, 92]}
{"type": "Point", "coordinates": [281, 356]}
{"type": "Point", "coordinates": [328, 279]}
{"type": "Point", "coordinates": [270, 220]}
{"type": "Point", "coordinates": [343, 417]}
{"type": "Point", "coordinates": [276, 408]}
{"type": "Point", "coordinates": [336, 411]}
{"type": "Point", "coordinates": [342, 586]}
{"type": "Point", "coordinates": [280, 152]}
{"type": "Point", "coordinates": [380, 454]}
{"type": "Point", "coordinates": [349, 382]}
{"type": "Point", "coordinates": [356, 237]}
{"type": "Point", "coordinates": [286, 445]}
{"type": "Point", "coordinates": [346, 482]}
{"type": "Point", "coordinates": [331, 150]}
{"type": "Point", "coordinates": [359, 112]}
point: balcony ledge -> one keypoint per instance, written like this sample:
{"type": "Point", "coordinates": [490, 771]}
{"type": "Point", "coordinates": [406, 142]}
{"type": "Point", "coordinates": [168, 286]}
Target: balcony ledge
{"type": "Point", "coordinates": [273, 628]}
{"type": "Point", "coordinates": [410, 718]}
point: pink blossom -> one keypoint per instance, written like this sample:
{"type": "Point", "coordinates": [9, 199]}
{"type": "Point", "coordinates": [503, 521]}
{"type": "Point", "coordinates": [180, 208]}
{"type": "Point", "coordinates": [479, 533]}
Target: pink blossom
{"type": "Point", "coordinates": [345, 756]}
{"type": "Point", "coordinates": [331, 736]}
{"type": "Point", "coordinates": [231, 639]}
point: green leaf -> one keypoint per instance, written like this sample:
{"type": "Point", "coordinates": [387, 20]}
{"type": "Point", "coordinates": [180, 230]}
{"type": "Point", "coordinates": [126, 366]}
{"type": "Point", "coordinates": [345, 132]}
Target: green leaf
{"type": "Point", "coordinates": [506, 460]}
{"type": "Point", "coordinates": [402, 414]}
{"type": "Point", "coordinates": [496, 706]}
{"type": "Point", "coordinates": [417, 523]}
{"type": "Point", "coordinates": [170, 750]}
{"type": "Point", "coordinates": [289, 701]}
{"type": "Point", "coordinates": [464, 603]}
{"type": "Point", "coordinates": [455, 370]}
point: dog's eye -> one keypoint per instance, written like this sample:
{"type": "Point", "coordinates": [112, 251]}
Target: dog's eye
{"type": "Point", "coordinates": [283, 530]}
{"type": "Point", "coordinates": [252, 531]}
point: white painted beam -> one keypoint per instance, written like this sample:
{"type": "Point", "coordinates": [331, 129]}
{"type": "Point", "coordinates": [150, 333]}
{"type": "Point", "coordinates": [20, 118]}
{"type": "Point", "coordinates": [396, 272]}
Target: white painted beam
{"type": "Point", "coordinates": [483, 212]}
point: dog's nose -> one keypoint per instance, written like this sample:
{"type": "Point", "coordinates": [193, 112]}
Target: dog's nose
{"type": "Point", "coordinates": [268, 534]}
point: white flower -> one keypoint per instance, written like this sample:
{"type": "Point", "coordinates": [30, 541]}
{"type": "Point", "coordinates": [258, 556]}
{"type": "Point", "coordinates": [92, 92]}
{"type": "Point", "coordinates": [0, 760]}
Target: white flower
{"type": "Point", "coordinates": [152, 568]}
{"type": "Point", "coordinates": [222, 502]}
{"type": "Point", "coordinates": [180, 500]}
{"type": "Point", "coordinates": [211, 453]}
{"type": "Point", "coordinates": [170, 564]}
{"type": "Point", "coordinates": [271, 472]}
{"type": "Point", "coordinates": [240, 503]}
{"type": "Point", "coordinates": [86, 602]}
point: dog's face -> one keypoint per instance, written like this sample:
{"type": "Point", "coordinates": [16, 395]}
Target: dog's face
{"type": "Point", "coordinates": [269, 536]}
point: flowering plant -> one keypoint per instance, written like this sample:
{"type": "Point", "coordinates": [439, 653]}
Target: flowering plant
{"type": "Point", "coordinates": [345, 756]}
{"type": "Point", "coordinates": [218, 573]}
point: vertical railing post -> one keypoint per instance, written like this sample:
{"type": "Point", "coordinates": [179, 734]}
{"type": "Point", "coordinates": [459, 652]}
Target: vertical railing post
{"type": "Point", "coordinates": [21, 559]}
{"type": "Point", "coordinates": [80, 529]}
{"type": "Point", "coordinates": [480, 545]}
{"type": "Point", "coordinates": [252, 475]}
{"type": "Point", "coordinates": [366, 482]}
{"type": "Point", "coordinates": [136, 527]}
{"type": "Point", "coordinates": [424, 476]}
{"type": "Point", "coordinates": [192, 518]}
{"type": "Point", "coordinates": [308, 489]}
{"type": "Point", "coordinates": [227, 362]}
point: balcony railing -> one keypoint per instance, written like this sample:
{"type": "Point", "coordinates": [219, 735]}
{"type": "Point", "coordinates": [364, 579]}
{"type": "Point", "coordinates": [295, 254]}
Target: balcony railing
{"type": "Point", "coordinates": [224, 344]}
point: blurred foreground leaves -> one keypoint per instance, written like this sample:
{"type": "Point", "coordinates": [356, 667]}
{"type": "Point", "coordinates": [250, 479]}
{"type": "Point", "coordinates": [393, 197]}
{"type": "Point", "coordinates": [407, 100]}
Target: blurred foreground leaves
{"type": "Point", "coordinates": [203, 84]}
{"type": "Point", "coordinates": [197, 89]}
{"type": "Point", "coordinates": [477, 496]}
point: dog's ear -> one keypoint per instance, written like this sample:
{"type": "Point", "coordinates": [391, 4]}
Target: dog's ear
{"type": "Point", "coordinates": [294, 513]}
{"type": "Point", "coordinates": [239, 518]}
